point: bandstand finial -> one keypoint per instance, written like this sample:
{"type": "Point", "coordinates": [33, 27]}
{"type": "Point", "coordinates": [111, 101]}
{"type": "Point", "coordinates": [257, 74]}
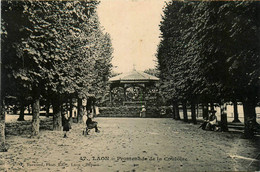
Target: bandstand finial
{"type": "Point", "coordinates": [134, 67]}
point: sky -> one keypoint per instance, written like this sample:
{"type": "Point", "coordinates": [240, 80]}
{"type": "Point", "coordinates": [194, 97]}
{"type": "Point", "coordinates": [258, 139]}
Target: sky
{"type": "Point", "coordinates": [134, 29]}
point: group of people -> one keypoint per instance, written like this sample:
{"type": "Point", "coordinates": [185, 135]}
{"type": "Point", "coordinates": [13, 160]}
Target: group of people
{"type": "Point", "coordinates": [88, 114]}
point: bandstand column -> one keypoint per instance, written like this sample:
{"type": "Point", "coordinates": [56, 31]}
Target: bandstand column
{"type": "Point", "coordinates": [110, 94]}
{"type": "Point", "coordinates": [124, 92]}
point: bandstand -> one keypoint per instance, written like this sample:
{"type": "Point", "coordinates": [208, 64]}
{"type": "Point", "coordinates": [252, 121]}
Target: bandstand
{"type": "Point", "coordinates": [135, 86]}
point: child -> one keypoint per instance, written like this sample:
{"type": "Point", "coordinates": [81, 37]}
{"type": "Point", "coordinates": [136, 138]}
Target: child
{"type": "Point", "coordinates": [91, 124]}
{"type": "Point", "coordinates": [66, 124]}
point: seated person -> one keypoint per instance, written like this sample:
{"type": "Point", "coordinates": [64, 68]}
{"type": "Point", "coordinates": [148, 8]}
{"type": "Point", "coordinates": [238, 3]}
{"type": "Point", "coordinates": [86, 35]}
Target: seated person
{"type": "Point", "coordinates": [91, 124]}
{"type": "Point", "coordinates": [212, 122]}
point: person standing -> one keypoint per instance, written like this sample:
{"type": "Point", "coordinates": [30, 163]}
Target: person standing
{"type": "Point", "coordinates": [90, 104]}
{"type": "Point", "coordinates": [84, 118]}
{"type": "Point", "coordinates": [66, 124]}
{"type": "Point", "coordinates": [142, 113]}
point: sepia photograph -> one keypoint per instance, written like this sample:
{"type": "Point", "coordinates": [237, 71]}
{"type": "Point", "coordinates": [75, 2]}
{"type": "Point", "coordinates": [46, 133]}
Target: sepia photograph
{"type": "Point", "coordinates": [129, 86]}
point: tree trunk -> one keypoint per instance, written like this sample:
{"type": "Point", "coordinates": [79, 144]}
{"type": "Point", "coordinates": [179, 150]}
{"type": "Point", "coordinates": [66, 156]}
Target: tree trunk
{"type": "Point", "coordinates": [193, 113]}
{"type": "Point", "coordinates": [71, 110]}
{"type": "Point", "coordinates": [205, 111]}
{"type": "Point", "coordinates": [80, 111]}
{"type": "Point", "coordinates": [177, 112]}
{"type": "Point", "coordinates": [223, 115]}
{"type": "Point", "coordinates": [197, 108]}
{"type": "Point", "coordinates": [249, 118]}
{"type": "Point", "coordinates": [173, 111]}
{"type": "Point", "coordinates": [110, 96]}
{"type": "Point", "coordinates": [47, 109]}
{"type": "Point", "coordinates": [2, 126]}
{"type": "Point", "coordinates": [2, 116]}
{"type": "Point", "coordinates": [29, 109]}
{"type": "Point", "coordinates": [36, 114]}
{"type": "Point", "coordinates": [15, 109]}
{"type": "Point", "coordinates": [211, 106]}
{"type": "Point", "coordinates": [21, 115]}
{"type": "Point", "coordinates": [57, 119]}
{"type": "Point", "coordinates": [185, 114]}
{"type": "Point", "coordinates": [236, 119]}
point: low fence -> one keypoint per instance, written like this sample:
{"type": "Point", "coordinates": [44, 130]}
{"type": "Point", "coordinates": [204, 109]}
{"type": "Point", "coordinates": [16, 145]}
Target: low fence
{"type": "Point", "coordinates": [134, 111]}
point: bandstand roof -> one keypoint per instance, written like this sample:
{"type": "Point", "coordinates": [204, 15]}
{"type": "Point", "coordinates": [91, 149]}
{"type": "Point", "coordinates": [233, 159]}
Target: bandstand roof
{"type": "Point", "coordinates": [133, 77]}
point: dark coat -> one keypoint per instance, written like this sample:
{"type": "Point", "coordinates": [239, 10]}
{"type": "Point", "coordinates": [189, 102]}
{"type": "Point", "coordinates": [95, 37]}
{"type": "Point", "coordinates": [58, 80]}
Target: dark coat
{"type": "Point", "coordinates": [90, 103]}
{"type": "Point", "coordinates": [66, 124]}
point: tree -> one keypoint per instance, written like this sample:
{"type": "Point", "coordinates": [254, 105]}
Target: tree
{"type": "Point", "coordinates": [153, 72]}
{"type": "Point", "coordinates": [209, 52]}
{"type": "Point", "coordinates": [63, 50]}
{"type": "Point", "coordinates": [11, 34]}
{"type": "Point", "coordinates": [2, 116]}
{"type": "Point", "coordinates": [174, 63]}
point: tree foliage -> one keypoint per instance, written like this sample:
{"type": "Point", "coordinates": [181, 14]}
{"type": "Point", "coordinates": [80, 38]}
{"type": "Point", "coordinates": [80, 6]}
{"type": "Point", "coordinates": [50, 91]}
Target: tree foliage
{"type": "Point", "coordinates": [58, 46]}
{"type": "Point", "coordinates": [55, 49]}
{"type": "Point", "coordinates": [209, 52]}
{"type": "Point", "coordinates": [209, 49]}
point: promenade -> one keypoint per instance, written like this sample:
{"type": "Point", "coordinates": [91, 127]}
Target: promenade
{"type": "Point", "coordinates": [127, 144]}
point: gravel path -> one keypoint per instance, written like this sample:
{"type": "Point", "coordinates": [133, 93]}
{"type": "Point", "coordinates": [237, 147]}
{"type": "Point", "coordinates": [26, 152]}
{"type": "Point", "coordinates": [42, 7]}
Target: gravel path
{"type": "Point", "coordinates": [128, 144]}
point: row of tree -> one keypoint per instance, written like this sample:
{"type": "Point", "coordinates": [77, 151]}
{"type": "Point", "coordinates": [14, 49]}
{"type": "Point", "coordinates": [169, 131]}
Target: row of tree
{"type": "Point", "coordinates": [209, 53]}
{"type": "Point", "coordinates": [52, 51]}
